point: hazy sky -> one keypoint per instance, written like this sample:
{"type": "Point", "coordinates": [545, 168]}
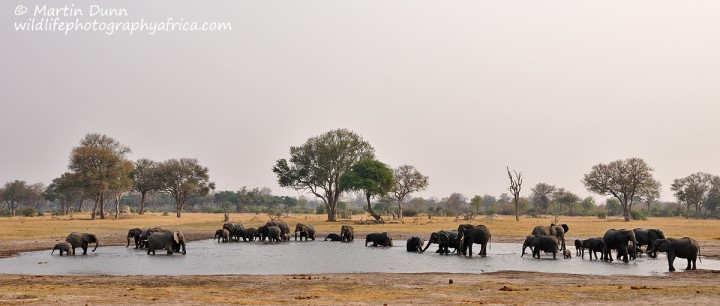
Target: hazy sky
{"type": "Point", "coordinates": [459, 89]}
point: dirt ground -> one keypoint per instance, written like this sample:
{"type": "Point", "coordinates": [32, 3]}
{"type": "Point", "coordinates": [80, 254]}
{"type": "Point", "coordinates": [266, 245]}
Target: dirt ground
{"type": "Point", "coordinates": [701, 287]}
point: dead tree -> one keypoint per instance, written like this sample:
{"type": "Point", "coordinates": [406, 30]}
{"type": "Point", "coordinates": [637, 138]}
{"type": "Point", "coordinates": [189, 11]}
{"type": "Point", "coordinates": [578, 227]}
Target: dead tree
{"type": "Point", "coordinates": [515, 186]}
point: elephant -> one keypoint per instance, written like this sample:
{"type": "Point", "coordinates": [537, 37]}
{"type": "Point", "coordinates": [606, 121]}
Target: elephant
{"type": "Point", "coordinates": [249, 234]}
{"type": "Point", "coordinates": [223, 234]}
{"type": "Point", "coordinates": [82, 240]}
{"type": "Point", "coordinates": [469, 234]}
{"type": "Point", "coordinates": [236, 230]}
{"type": "Point", "coordinates": [618, 240]}
{"type": "Point", "coordinates": [445, 240]}
{"type": "Point", "coordinates": [347, 233]}
{"type": "Point", "coordinates": [558, 231]}
{"type": "Point", "coordinates": [378, 239]}
{"type": "Point", "coordinates": [539, 243]}
{"type": "Point", "coordinates": [414, 244]}
{"type": "Point", "coordinates": [169, 240]}
{"type": "Point", "coordinates": [63, 247]}
{"type": "Point", "coordinates": [273, 233]}
{"type": "Point", "coordinates": [333, 237]}
{"type": "Point", "coordinates": [145, 235]}
{"type": "Point", "coordinates": [567, 254]}
{"type": "Point", "coordinates": [647, 237]}
{"type": "Point", "coordinates": [305, 230]}
{"type": "Point", "coordinates": [134, 233]}
{"type": "Point", "coordinates": [685, 247]}
{"type": "Point", "coordinates": [593, 245]}
{"type": "Point", "coordinates": [284, 229]}
{"type": "Point", "coordinates": [578, 247]}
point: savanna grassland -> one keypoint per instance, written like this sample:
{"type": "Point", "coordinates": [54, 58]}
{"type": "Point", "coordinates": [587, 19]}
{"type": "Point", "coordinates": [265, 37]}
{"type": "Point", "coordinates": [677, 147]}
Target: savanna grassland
{"type": "Point", "coordinates": [41, 233]}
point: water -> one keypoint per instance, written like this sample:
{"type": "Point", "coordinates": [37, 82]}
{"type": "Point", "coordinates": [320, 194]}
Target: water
{"type": "Point", "coordinates": [211, 258]}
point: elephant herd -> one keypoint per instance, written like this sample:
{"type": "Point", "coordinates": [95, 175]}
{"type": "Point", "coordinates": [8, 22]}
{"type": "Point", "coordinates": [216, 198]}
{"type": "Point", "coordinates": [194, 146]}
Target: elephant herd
{"type": "Point", "coordinates": [550, 239]}
{"type": "Point", "coordinates": [626, 242]}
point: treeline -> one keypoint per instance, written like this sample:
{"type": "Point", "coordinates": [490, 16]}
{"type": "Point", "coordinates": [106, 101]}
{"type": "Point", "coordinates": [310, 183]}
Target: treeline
{"type": "Point", "coordinates": [340, 170]}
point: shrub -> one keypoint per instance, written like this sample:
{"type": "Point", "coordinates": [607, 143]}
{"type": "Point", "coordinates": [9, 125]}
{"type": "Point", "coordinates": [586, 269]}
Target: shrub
{"type": "Point", "coordinates": [638, 215]}
{"type": "Point", "coordinates": [410, 213]}
{"type": "Point", "coordinates": [165, 213]}
{"type": "Point", "coordinates": [601, 215]}
{"type": "Point", "coordinates": [320, 209]}
{"type": "Point", "coordinates": [28, 211]}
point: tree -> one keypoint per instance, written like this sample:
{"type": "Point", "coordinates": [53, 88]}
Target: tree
{"type": "Point", "coordinates": [623, 179]}
{"type": "Point", "coordinates": [515, 186]}
{"type": "Point", "coordinates": [145, 179]}
{"type": "Point", "coordinates": [456, 202]}
{"type": "Point", "coordinates": [588, 205]}
{"type": "Point", "coordinates": [98, 162]}
{"type": "Point", "coordinates": [183, 179]}
{"type": "Point", "coordinates": [407, 180]}
{"type": "Point", "coordinates": [693, 190]}
{"type": "Point", "coordinates": [65, 190]}
{"type": "Point", "coordinates": [476, 203]}
{"type": "Point", "coordinates": [372, 178]}
{"type": "Point", "coordinates": [612, 206]}
{"type": "Point", "coordinates": [121, 182]}
{"type": "Point", "coordinates": [318, 164]}
{"type": "Point", "coordinates": [567, 199]}
{"type": "Point", "coordinates": [17, 193]}
{"type": "Point", "coordinates": [541, 195]}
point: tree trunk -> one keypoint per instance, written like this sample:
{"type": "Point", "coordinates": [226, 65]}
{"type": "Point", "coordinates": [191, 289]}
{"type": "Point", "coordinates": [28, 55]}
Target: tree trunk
{"type": "Point", "coordinates": [377, 217]}
{"type": "Point", "coordinates": [179, 208]}
{"type": "Point", "coordinates": [12, 207]}
{"type": "Point", "coordinates": [102, 206]}
{"type": "Point", "coordinates": [331, 212]}
{"type": "Point", "coordinates": [400, 211]}
{"type": "Point", "coordinates": [517, 211]}
{"type": "Point", "coordinates": [142, 202]}
{"type": "Point", "coordinates": [117, 206]}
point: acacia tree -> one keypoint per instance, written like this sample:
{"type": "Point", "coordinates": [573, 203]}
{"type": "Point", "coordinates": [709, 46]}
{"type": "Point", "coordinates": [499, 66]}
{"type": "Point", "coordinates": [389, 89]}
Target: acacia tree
{"type": "Point", "coordinates": [183, 179]}
{"type": "Point", "coordinates": [97, 162]}
{"type": "Point", "coordinates": [370, 177]}
{"type": "Point", "coordinates": [515, 186]}
{"type": "Point", "coordinates": [145, 179]}
{"type": "Point", "coordinates": [407, 180]}
{"type": "Point", "coordinates": [693, 190]}
{"type": "Point", "coordinates": [317, 165]}
{"type": "Point", "coordinates": [566, 198]}
{"type": "Point", "coordinates": [541, 195]}
{"type": "Point", "coordinates": [622, 179]}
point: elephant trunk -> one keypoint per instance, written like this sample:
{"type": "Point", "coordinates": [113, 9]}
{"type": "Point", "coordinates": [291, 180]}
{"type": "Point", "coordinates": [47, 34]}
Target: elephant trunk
{"type": "Point", "coordinates": [182, 244]}
{"type": "Point", "coordinates": [426, 247]}
{"type": "Point", "coordinates": [53, 251]}
{"type": "Point", "coordinates": [128, 244]}
{"type": "Point", "coordinates": [523, 249]}
{"type": "Point", "coordinates": [97, 244]}
{"type": "Point", "coordinates": [462, 245]}
{"type": "Point", "coordinates": [296, 236]}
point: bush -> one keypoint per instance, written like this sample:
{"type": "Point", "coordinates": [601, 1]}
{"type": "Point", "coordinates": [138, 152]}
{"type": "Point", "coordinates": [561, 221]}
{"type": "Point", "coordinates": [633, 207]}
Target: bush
{"type": "Point", "coordinates": [320, 209]}
{"type": "Point", "coordinates": [410, 213]}
{"type": "Point", "coordinates": [638, 215]}
{"type": "Point", "coordinates": [601, 215]}
{"type": "Point", "coordinates": [165, 213]}
{"type": "Point", "coordinates": [58, 212]}
{"type": "Point", "coordinates": [28, 211]}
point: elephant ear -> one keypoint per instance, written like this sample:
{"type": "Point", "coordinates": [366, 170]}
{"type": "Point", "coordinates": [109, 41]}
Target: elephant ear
{"type": "Point", "coordinates": [565, 227]}
{"type": "Point", "coordinates": [175, 237]}
{"type": "Point", "coordinates": [663, 245]}
{"type": "Point", "coordinates": [89, 238]}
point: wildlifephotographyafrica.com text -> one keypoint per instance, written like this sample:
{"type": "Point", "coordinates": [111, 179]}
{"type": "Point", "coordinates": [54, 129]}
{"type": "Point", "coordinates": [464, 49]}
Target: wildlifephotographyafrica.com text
{"type": "Point", "coordinates": [108, 20]}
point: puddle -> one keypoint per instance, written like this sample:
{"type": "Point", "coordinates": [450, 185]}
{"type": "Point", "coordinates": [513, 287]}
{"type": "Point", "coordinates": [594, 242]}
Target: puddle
{"type": "Point", "coordinates": [208, 257]}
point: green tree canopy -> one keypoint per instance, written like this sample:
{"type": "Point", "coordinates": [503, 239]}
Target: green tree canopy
{"type": "Point", "coordinates": [372, 178]}
{"type": "Point", "coordinates": [317, 165]}
{"type": "Point", "coordinates": [145, 178]}
{"type": "Point", "coordinates": [622, 179]}
{"type": "Point", "coordinates": [541, 196]}
{"type": "Point", "coordinates": [183, 179]}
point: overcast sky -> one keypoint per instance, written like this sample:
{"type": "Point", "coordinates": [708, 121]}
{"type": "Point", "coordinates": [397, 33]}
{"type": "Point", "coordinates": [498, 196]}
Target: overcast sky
{"type": "Point", "coordinates": [459, 89]}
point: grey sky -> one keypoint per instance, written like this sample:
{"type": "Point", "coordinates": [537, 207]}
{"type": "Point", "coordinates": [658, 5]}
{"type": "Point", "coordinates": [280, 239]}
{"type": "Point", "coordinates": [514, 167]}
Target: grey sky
{"type": "Point", "coordinates": [458, 89]}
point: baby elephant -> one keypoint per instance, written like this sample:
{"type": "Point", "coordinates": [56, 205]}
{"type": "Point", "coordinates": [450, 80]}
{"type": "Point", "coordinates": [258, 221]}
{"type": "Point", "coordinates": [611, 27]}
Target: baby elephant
{"type": "Point", "coordinates": [222, 234]}
{"type": "Point", "coordinates": [567, 254]}
{"type": "Point", "coordinates": [685, 247]}
{"type": "Point", "coordinates": [415, 244]}
{"type": "Point", "coordinates": [63, 247]}
{"type": "Point", "coordinates": [333, 237]}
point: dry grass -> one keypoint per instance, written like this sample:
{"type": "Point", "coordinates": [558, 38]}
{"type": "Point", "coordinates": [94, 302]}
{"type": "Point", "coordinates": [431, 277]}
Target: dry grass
{"type": "Point", "coordinates": [504, 229]}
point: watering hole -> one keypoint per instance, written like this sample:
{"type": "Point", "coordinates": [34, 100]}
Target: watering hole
{"type": "Point", "coordinates": [207, 257]}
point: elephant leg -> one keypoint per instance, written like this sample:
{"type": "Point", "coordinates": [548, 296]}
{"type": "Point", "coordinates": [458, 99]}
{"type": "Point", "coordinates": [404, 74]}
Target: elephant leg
{"type": "Point", "coordinates": [84, 248]}
{"type": "Point", "coordinates": [671, 260]}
